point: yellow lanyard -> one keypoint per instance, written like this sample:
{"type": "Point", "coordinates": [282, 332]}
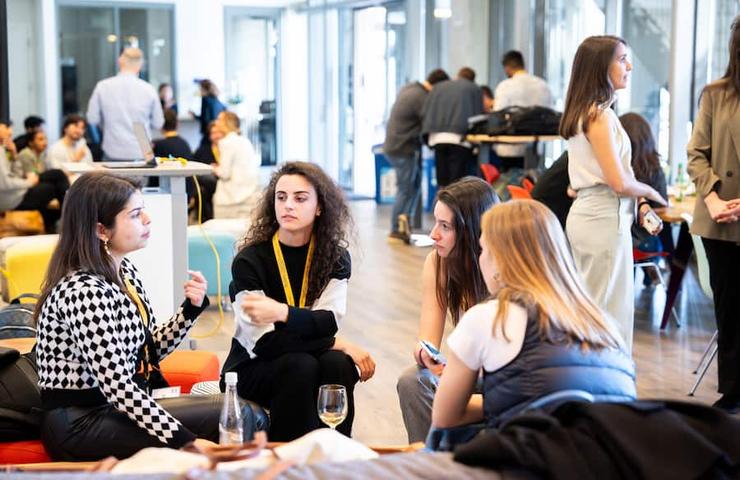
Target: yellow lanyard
{"type": "Point", "coordinates": [139, 304]}
{"type": "Point", "coordinates": [284, 271]}
{"type": "Point", "coordinates": [216, 154]}
{"type": "Point", "coordinates": [145, 319]}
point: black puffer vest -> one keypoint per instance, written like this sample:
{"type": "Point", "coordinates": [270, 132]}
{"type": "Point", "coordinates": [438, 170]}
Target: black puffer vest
{"type": "Point", "coordinates": [542, 367]}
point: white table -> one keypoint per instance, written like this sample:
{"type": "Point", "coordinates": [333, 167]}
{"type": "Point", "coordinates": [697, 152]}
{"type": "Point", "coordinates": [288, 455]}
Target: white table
{"type": "Point", "coordinates": [163, 264]}
{"type": "Point", "coordinates": [485, 142]}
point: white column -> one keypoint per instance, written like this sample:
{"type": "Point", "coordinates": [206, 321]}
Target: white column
{"type": "Point", "coordinates": [50, 66]}
{"type": "Point", "coordinates": [679, 81]}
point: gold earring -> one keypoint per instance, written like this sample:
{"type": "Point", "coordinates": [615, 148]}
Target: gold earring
{"type": "Point", "coordinates": [105, 247]}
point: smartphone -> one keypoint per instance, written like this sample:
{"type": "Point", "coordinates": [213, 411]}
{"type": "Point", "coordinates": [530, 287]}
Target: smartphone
{"type": "Point", "coordinates": [652, 222]}
{"type": "Point", "coordinates": [432, 351]}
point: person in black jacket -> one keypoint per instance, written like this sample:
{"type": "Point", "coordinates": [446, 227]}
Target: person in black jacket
{"type": "Point", "coordinates": [210, 107]}
{"type": "Point", "coordinates": [445, 123]}
{"type": "Point", "coordinates": [552, 189]}
{"type": "Point", "coordinates": [289, 291]}
{"type": "Point", "coordinates": [173, 144]}
{"type": "Point", "coordinates": [646, 165]}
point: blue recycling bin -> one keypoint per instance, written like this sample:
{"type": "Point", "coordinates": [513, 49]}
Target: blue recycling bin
{"type": "Point", "coordinates": [385, 180]}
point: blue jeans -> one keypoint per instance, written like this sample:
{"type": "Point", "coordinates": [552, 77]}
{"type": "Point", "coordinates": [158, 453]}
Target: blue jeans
{"type": "Point", "coordinates": [408, 186]}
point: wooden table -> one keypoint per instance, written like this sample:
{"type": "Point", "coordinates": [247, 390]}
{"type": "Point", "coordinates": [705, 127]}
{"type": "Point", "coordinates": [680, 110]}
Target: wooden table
{"type": "Point", "coordinates": [23, 345]}
{"type": "Point", "coordinates": [676, 212]}
{"type": "Point", "coordinates": [91, 466]}
{"type": "Point", "coordinates": [485, 142]}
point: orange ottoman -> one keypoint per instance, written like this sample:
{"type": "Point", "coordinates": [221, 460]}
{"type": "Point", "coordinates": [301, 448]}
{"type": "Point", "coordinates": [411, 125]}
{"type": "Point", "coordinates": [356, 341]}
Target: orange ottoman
{"type": "Point", "coordinates": [27, 451]}
{"type": "Point", "coordinates": [184, 368]}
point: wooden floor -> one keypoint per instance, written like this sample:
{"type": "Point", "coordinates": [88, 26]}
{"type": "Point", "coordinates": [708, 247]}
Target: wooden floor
{"type": "Point", "coordinates": [383, 314]}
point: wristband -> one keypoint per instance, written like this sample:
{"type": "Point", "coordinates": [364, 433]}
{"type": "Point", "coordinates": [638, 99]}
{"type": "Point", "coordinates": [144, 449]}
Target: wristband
{"type": "Point", "coordinates": [417, 356]}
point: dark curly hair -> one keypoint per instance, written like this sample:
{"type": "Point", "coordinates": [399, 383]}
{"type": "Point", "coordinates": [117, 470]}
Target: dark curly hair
{"type": "Point", "coordinates": [331, 229]}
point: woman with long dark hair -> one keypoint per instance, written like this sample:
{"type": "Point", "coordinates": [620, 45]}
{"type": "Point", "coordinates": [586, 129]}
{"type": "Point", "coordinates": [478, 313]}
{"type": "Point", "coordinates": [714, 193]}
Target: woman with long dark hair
{"type": "Point", "coordinates": [451, 283]}
{"type": "Point", "coordinates": [714, 166]}
{"type": "Point", "coordinates": [98, 343]}
{"type": "Point", "coordinates": [600, 171]}
{"type": "Point", "coordinates": [646, 165]}
{"type": "Point", "coordinates": [289, 289]}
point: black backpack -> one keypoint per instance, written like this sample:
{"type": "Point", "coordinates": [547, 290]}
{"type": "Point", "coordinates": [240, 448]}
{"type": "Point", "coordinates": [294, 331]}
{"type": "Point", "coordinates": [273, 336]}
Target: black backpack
{"type": "Point", "coordinates": [20, 397]}
{"type": "Point", "coordinates": [518, 121]}
{"type": "Point", "coordinates": [16, 319]}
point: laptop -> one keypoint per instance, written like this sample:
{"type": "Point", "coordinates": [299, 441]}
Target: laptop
{"type": "Point", "coordinates": [145, 146]}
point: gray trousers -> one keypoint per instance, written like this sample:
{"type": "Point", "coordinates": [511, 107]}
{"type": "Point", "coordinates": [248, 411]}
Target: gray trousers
{"type": "Point", "coordinates": [416, 388]}
{"type": "Point", "coordinates": [598, 229]}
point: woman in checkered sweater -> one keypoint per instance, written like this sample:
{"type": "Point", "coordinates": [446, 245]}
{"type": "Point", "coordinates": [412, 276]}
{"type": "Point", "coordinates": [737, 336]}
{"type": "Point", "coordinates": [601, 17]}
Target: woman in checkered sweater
{"type": "Point", "coordinates": [96, 331]}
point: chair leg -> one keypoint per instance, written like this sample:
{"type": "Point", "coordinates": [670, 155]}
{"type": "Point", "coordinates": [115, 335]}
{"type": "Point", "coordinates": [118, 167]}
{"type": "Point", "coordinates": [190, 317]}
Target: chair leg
{"type": "Point", "coordinates": [665, 287]}
{"type": "Point", "coordinates": [712, 342]}
{"type": "Point", "coordinates": [704, 370]}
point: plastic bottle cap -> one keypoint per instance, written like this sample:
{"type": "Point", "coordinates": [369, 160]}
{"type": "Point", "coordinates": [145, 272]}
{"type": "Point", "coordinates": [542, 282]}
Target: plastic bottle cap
{"type": "Point", "coordinates": [231, 378]}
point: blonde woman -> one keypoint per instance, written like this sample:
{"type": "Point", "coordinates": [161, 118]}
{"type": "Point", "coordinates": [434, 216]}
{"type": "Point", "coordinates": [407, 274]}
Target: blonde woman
{"type": "Point", "coordinates": [539, 333]}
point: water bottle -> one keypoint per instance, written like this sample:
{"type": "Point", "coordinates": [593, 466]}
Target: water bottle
{"type": "Point", "coordinates": [230, 426]}
{"type": "Point", "coordinates": [680, 183]}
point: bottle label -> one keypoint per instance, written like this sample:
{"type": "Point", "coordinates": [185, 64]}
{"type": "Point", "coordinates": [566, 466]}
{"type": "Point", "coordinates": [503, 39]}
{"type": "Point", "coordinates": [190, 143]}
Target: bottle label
{"type": "Point", "coordinates": [167, 392]}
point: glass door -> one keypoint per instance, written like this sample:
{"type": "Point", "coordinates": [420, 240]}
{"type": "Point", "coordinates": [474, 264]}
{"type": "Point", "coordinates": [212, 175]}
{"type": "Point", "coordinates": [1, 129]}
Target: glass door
{"type": "Point", "coordinates": [91, 37]}
{"type": "Point", "coordinates": [252, 45]}
{"type": "Point", "coordinates": [372, 72]}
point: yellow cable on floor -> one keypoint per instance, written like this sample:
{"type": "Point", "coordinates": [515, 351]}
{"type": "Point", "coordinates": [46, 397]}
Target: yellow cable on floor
{"type": "Point", "coordinates": [218, 266]}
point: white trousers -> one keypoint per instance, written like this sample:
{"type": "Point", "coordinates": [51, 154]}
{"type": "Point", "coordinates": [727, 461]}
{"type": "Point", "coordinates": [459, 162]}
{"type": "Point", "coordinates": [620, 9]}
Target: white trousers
{"type": "Point", "coordinates": [598, 229]}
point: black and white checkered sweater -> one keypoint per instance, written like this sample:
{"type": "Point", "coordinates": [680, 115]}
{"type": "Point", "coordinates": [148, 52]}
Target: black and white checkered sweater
{"type": "Point", "coordinates": [89, 335]}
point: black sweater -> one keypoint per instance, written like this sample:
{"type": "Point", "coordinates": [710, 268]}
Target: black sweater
{"type": "Point", "coordinates": [307, 329]}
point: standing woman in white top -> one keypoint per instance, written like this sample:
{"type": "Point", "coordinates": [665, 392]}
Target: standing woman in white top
{"type": "Point", "coordinates": [600, 171]}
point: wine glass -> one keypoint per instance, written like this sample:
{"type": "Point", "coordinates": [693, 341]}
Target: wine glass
{"type": "Point", "coordinates": [332, 404]}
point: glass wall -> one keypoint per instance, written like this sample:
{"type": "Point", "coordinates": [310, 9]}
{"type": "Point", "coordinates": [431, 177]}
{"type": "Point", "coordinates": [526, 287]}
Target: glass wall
{"type": "Point", "coordinates": [713, 23]}
{"type": "Point", "coordinates": [566, 28]}
{"type": "Point", "coordinates": [87, 53]}
{"type": "Point", "coordinates": [647, 29]}
{"type": "Point", "coordinates": [724, 11]}
{"type": "Point", "coordinates": [91, 37]}
{"type": "Point", "coordinates": [251, 60]}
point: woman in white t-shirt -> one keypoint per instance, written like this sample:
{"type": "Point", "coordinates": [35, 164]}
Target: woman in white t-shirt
{"type": "Point", "coordinates": [540, 333]}
{"type": "Point", "coordinates": [600, 171]}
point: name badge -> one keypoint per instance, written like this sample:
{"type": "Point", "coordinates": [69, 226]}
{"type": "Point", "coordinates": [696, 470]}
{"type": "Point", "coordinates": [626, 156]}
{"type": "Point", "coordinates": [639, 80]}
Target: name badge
{"type": "Point", "coordinates": [167, 392]}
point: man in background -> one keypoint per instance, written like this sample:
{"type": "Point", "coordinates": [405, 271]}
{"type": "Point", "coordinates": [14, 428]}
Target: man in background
{"type": "Point", "coordinates": [446, 111]}
{"type": "Point", "coordinates": [118, 102]}
{"type": "Point", "coordinates": [72, 147]}
{"type": "Point", "coordinates": [402, 148]}
{"type": "Point", "coordinates": [520, 89]}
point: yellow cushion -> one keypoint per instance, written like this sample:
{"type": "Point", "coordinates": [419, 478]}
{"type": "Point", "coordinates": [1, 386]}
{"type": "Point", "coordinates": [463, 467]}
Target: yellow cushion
{"type": "Point", "coordinates": [26, 262]}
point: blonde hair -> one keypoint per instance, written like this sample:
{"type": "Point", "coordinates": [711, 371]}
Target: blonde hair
{"type": "Point", "coordinates": [132, 57]}
{"type": "Point", "coordinates": [231, 121]}
{"type": "Point", "coordinates": [537, 272]}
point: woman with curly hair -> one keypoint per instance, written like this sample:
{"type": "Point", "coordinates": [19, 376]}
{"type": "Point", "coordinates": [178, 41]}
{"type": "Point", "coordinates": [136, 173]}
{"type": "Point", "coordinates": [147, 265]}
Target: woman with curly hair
{"type": "Point", "coordinates": [290, 292]}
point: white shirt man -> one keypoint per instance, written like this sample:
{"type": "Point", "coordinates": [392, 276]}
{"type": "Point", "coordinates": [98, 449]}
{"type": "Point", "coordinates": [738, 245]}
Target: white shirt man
{"type": "Point", "coordinates": [72, 147]}
{"type": "Point", "coordinates": [522, 90]}
{"type": "Point", "coordinates": [117, 102]}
